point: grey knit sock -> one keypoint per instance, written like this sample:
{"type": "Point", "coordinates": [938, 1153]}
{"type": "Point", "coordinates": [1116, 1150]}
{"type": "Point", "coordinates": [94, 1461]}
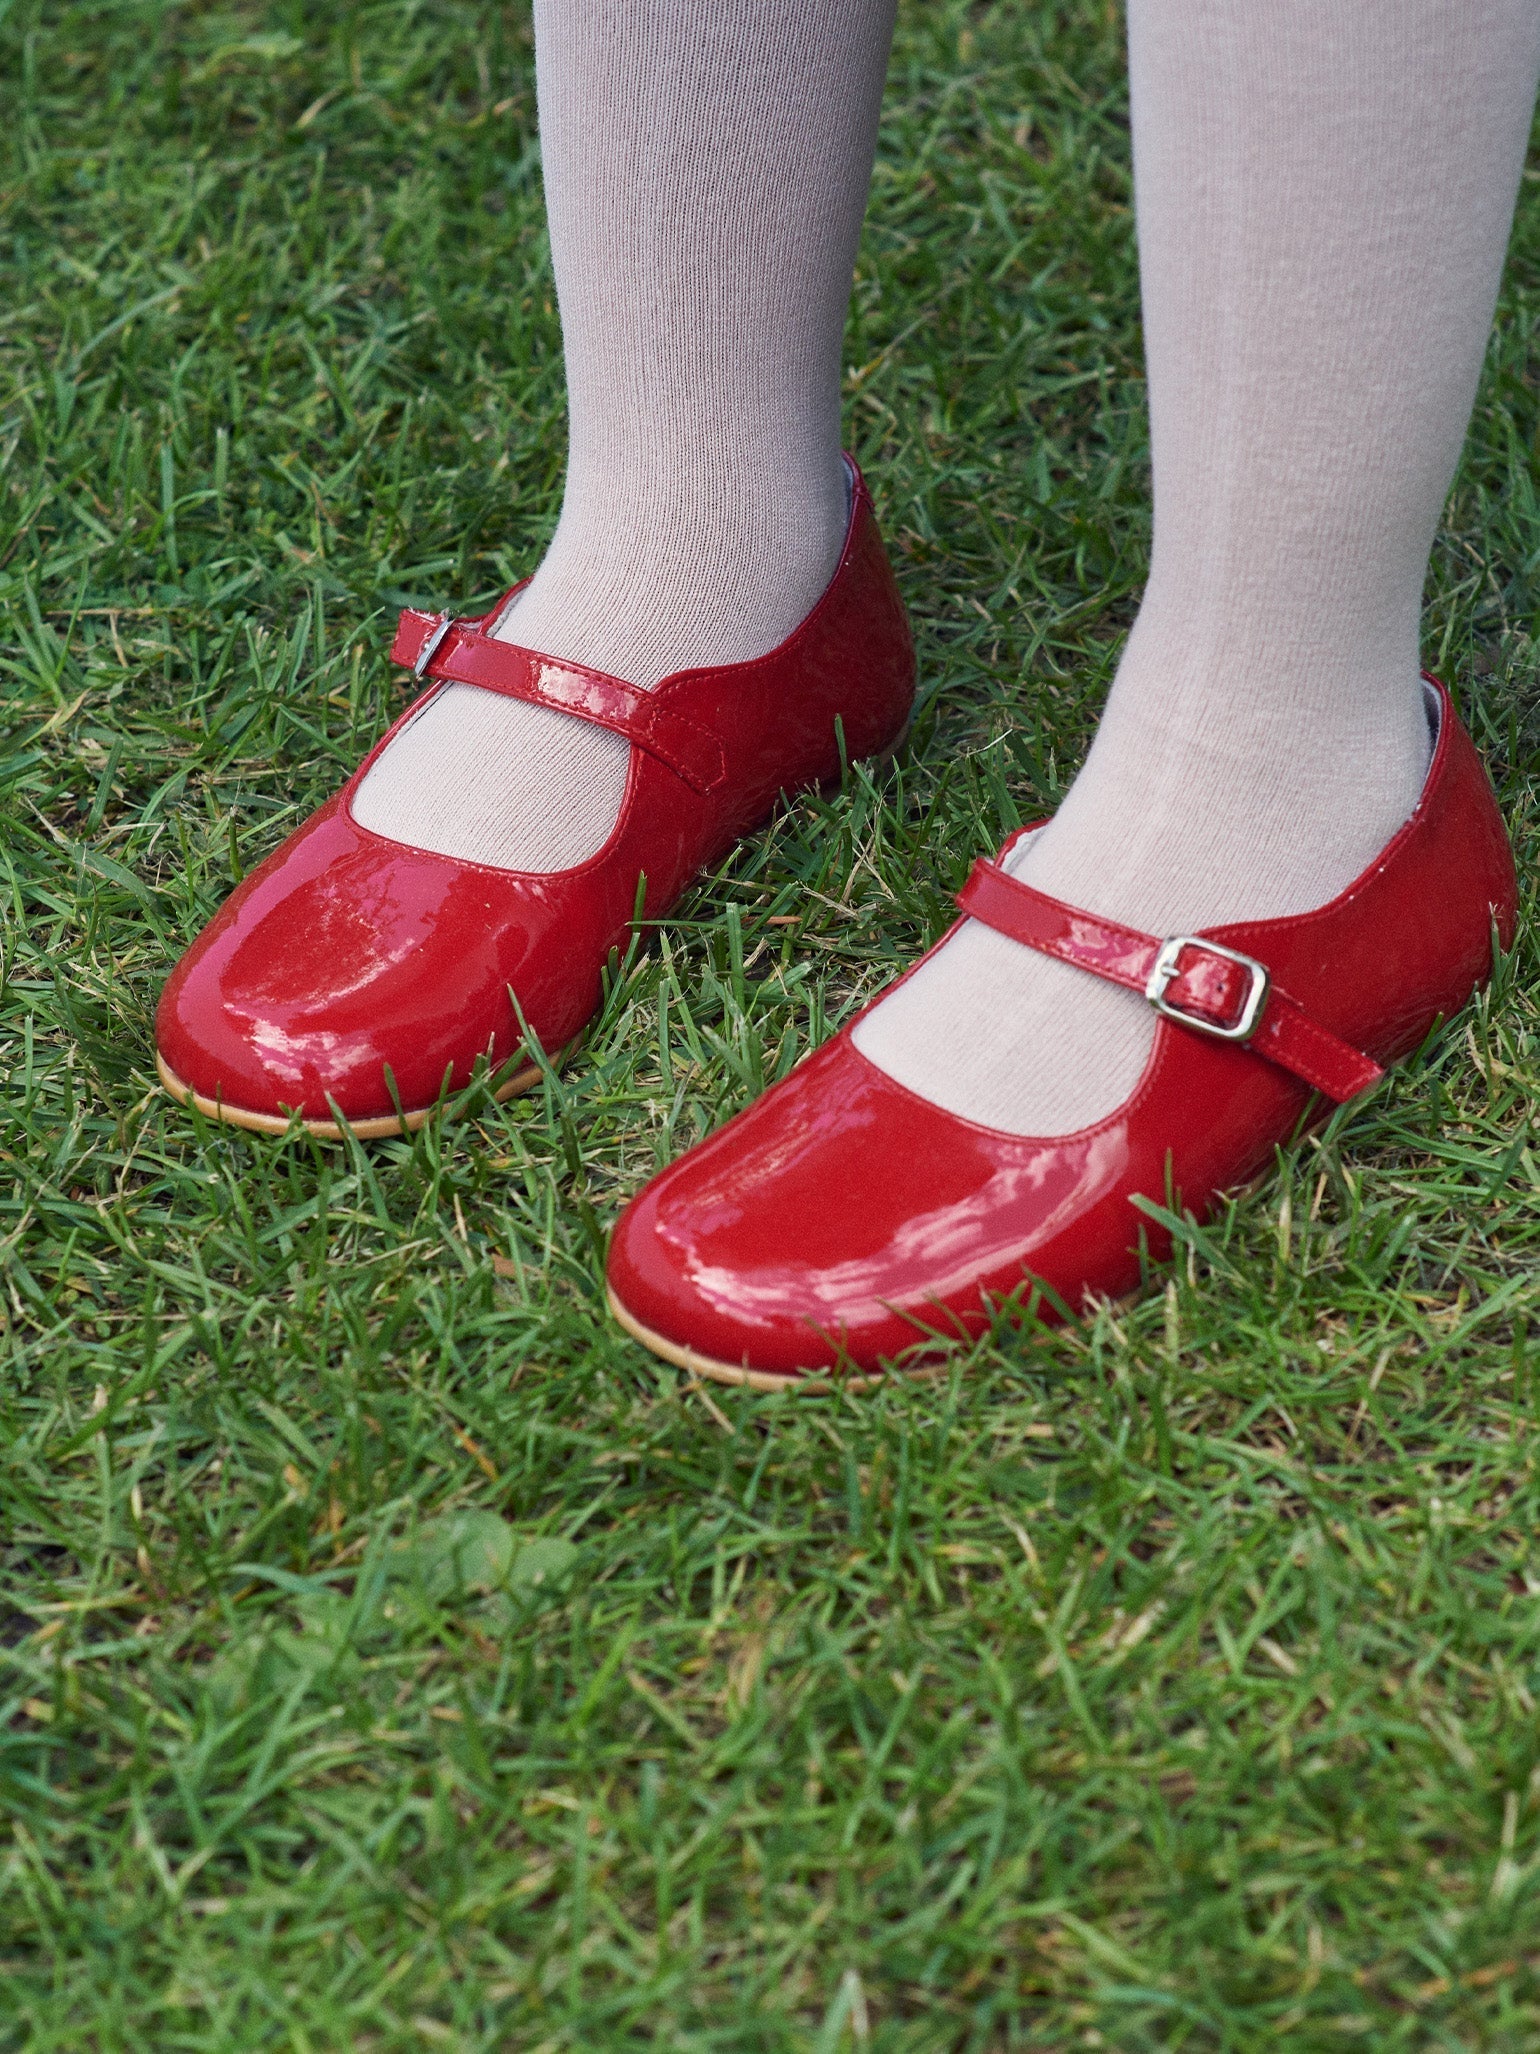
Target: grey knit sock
{"type": "Point", "coordinates": [1324, 195]}
{"type": "Point", "coordinates": [706, 169]}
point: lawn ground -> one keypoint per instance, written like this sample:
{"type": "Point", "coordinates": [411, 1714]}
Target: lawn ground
{"type": "Point", "coordinates": [391, 1655]}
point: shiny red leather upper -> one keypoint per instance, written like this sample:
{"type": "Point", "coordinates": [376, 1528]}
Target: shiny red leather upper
{"type": "Point", "coordinates": [842, 1218]}
{"type": "Point", "coordinates": [347, 962]}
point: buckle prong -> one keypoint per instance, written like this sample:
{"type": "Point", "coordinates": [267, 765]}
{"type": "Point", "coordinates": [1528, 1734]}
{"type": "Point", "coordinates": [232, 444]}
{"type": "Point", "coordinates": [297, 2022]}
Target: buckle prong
{"type": "Point", "coordinates": [430, 648]}
{"type": "Point", "coordinates": [1168, 968]}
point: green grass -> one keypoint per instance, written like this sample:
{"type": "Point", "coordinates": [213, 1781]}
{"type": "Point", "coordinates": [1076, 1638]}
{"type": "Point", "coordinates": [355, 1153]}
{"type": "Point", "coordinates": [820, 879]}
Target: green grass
{"type": "Point", "coordinates": [391, 1655]}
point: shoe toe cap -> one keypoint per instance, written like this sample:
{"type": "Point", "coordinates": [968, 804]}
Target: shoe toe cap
{"type": "Point", "coordinates": [339, 959]}
{"type": "Point", "coordinates": [839, 1221]}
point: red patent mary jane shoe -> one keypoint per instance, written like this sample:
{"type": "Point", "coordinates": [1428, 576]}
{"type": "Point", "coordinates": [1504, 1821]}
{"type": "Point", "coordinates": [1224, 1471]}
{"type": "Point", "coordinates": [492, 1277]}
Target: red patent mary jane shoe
{"type": "Point", "coordinates": [354, 976]}
{"type": "Point", "coordinates": [842, 1223]}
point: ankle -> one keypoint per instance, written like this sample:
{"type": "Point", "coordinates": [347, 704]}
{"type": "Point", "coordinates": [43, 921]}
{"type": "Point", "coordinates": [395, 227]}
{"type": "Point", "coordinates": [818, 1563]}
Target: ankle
{"type": "Point", "coordinates": [647, 580]}
{"type": "Point", "coordinates": [1192, 814]}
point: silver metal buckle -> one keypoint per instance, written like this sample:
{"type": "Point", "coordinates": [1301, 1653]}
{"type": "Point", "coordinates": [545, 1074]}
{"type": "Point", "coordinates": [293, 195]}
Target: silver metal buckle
{"type": "Point", "coordinates": [430, 648]}
{"type": "Point", "coordinates": [1168, 966]}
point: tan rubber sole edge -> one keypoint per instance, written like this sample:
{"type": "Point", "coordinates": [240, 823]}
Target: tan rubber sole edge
{"type": "Point", "coordinates": [729, 1372]}
{"type": "Point", "coordinates": [324, 1130]}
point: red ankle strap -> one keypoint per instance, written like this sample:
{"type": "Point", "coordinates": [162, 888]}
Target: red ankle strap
{"type": "Point", "coordinates": [1200, 984]}
{"type": "Point", "coordinates": [461, 652]}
